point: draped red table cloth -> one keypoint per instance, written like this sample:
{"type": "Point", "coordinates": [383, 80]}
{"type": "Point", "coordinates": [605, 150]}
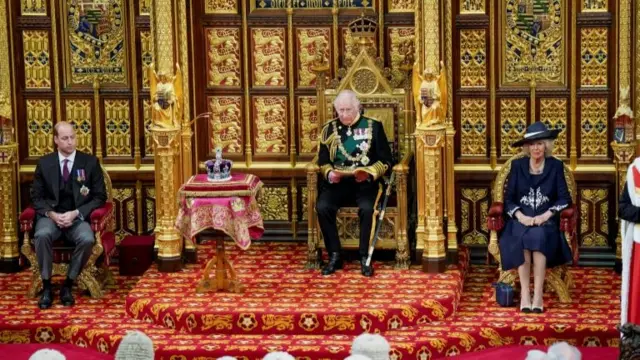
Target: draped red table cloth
{"type": "Point", "coordinates": [228, 206]}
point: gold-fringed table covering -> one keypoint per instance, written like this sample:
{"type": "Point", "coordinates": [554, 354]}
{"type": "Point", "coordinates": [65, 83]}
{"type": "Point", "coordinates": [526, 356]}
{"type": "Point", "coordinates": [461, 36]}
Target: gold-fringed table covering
{"type": "Point", "coordinates": [228, 206]}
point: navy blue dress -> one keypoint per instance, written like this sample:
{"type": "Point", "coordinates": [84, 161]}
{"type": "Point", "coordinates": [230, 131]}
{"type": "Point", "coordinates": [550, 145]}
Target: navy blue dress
{"type": "Point", "coordinates": [533, 195]}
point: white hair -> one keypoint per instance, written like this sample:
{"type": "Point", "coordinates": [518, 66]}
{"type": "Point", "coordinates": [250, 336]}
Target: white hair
{"type": "Point", "coordinates": [373, 346]}
{"type": "Point", "coordinates": [557, 351]}
{"type": "Point", "coordinates": [47, 354]}
{"type": "Point", "coordinates": [349, 97]}
{"type": "Point", "coordinates": [548, 148]}
{"type": "Point", "coordinates": [278, 355]}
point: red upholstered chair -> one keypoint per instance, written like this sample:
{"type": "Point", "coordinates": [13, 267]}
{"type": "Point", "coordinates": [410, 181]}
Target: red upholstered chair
{"type": "Point", "coordinates": [96, 271]}
{"type": "Point", "coordinates": [557, 279]}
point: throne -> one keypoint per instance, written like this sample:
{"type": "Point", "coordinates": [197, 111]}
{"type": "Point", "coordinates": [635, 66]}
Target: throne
{"type": "Point", "coordinates": [385, 100]}
{"type": "Point", "coordinates": [95, 272]}
{"type": "Point", "coordinates": [557, 279]}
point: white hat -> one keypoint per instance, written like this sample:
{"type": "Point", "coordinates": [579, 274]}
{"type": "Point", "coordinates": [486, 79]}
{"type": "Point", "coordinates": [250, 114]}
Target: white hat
{"type": "Point", "coordinates": [135, 346]}
{"type": "Point", "coordinates": [357, 357]}
{"type": "Point", "coordinates": [278, 355]}
{"type": "Point", "coordinates": [47, 354]}
{"type": "Point", "coordinates": [373, 346]}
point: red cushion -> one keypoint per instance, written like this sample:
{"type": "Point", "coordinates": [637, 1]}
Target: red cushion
{"type": "Point", "coordinates": [26, 219]}
{"type": "Point", "coordinates": [495, 220]}
{"type": "Point", "coordinates": [138, 240]}
{"type": "Point", "coordinates": [100, 216]}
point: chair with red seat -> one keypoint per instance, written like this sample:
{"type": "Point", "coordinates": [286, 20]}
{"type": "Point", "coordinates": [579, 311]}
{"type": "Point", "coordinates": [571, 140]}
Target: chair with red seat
{"type": "Point", "coordinates": [557, 279]}
{"type": "Point", "coordinates": [95, 272]}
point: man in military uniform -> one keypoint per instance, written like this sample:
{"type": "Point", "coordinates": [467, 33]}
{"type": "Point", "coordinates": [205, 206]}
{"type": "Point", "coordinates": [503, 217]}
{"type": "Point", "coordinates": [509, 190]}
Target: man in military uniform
{"type": "Point", "coordinates": [353, 155]}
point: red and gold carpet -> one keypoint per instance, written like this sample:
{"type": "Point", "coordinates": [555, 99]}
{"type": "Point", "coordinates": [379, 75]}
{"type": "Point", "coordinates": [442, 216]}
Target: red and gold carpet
{"type": "Point", "coordinates": [288, 308]}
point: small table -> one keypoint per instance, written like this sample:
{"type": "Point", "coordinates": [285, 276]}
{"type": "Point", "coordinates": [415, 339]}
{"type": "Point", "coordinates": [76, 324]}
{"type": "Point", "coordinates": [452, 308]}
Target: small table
{"type": "Point", "coordinates": [226, 206]}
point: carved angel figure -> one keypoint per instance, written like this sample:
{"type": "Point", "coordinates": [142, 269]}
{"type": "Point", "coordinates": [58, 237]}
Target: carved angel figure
{"type": "Point", "coordinates": [430, 91]}
{"type": "Point", "coordinates": [166, 94]}
{"type": "Point", "coordinates": [624, 108]}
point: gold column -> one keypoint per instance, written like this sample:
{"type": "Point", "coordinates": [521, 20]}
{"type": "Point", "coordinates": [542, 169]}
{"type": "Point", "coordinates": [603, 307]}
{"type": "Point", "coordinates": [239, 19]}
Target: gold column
{"type": "Point", "coordinates": [98, 122]}
{"type": "Point", "coordinates": [624, 154]}
{"type": "Point", "coordinates": [183, 52]}
{"type": "Point", "coordinates": [493, 152]}
{"type": "Point", "coordinates": [247, 85]}
{"type": "Point", "coordinates": [573, 87]}
{"type": "Point", "coordinates": [452, 228]}
{"type": "Point", "coordinates": [9, 254]}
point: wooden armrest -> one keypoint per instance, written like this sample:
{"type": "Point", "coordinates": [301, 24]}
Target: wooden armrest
{"type": "Point", "coordinates": [313, 167]}
{"type": "Point", "coordinates": [403, 165]}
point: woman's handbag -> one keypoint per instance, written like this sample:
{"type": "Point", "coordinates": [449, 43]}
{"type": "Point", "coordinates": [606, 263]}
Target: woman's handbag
{"type": "Point", "coordinates": [504, 294]}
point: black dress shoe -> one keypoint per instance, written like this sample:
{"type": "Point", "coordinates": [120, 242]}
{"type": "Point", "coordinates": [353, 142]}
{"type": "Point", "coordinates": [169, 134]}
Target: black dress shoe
{"type": "Point", "coordinates": [66, 296]}
{"type": "Point", "coordinates": [366, 270]}
{"type": "Point", "coordinates": [46, 299]}
{"type": "Point", "coordinates": [334, 264]}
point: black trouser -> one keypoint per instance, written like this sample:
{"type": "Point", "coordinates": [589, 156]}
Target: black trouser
{"type": "Point", "coordinates": [334, 196]}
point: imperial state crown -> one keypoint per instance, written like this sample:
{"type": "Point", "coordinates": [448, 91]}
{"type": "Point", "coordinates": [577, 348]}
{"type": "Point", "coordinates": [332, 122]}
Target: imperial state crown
{"type": "Point", "coordinates": [218, 169]}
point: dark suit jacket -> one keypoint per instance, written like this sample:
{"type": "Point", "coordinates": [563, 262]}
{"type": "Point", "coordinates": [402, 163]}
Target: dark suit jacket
{"type": "Point", "coordinates": [46, 184]}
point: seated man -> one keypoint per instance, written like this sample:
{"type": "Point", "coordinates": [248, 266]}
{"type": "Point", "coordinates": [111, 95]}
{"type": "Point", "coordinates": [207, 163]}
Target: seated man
{"type": "Point", "coordinates": [68, 185]}
{"type": "Point", "coordinates": [353, 155]}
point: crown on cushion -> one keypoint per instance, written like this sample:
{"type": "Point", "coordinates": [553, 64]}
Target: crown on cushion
{"type": "Point", "coordinates": [219, 169]}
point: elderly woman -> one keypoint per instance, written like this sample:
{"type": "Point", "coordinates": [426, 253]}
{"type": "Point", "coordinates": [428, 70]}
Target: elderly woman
{"type": "Point", "coordinates": [536, 192]}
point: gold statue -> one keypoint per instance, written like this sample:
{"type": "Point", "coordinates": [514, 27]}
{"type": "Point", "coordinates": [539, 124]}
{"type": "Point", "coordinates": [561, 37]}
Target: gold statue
{"type": "Point", "coordinates": [166, 94]}
{"type": "Point", "coordinates": [431, 92]}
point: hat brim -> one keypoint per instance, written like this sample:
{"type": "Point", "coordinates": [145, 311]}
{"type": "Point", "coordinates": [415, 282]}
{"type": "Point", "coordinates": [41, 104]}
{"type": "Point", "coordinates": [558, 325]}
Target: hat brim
{"type": "Point", "coordinates": [547, 135]}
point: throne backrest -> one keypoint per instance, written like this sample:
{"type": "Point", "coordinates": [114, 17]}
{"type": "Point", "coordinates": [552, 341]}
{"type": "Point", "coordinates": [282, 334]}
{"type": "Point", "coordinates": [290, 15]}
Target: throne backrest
{"type": "Point", "coordinates": [108, 186]}
{"type": "Point", "coordinates": [500, 181]}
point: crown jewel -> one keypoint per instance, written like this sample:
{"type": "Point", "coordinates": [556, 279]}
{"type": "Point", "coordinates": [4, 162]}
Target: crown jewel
{"type": "Point", "coordinates": [219, 169]}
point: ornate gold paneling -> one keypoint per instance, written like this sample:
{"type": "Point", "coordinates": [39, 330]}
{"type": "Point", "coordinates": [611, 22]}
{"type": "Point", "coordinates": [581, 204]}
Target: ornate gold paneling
{"type": "Point", "coordinates": [274, 203]}
{"type": "Point", "coordinates": [309, 124]}
{"type": "Point", "coordinates": [146, 117]}
{"type": "Point", "coordinates": [473, 58]}
{"type": "Point", "coordinates": [348, 47]}
{"type": "Point", "coordinates": [270, 114]}
{"type": "Point", "coordinates": [220, 7]}
{"type": "Point", "coordinates": [223, 57]}
{"type": "Point", "coordinates": [145, 7]}
{"type": "Point", "coordinates": [226, 124]}
{"type": "Point", "coordinates": [400, 38]}
{"type": "Point", "coordinates": [33, 7]}
{"type": "Point", "coordinates": [513, 123]}
{"type": "Point", "coordinates": [553, 113]}
{"type": "Point", "coordinates": [594, 56]}
{"type": "Point", "coordinates": [473, 127]}
{"type": "Point", "coordinates": [125, 202]}
{"type": "Point", "coordinates": [117, 119]}
{"type": "Point", "coordinates": [150, 208]}
{"type": "Point", "coordinates": [310, 42]}
{"type": "Point", "coordinates": [37, 71]}
{"type": "Point", "coordinates": [401, 5]}
{"type": "Point", "coordinates": [594, 217]}
{"type": "Point", "coordinates": [472, 6]}
{"type": "Point", "coordinates": [533, 37]}
{"type": "Point", "coordinates": [593, 127]}
{"type": "Point", "coordinates": [95, 42]}
{"type": "Point", "coordinates": [146, 55]}
{"type": "Point", "coordinates": [305, 202]}
{"type": "Point", "coordinates": [78, 113]}
{"type": "Point", "coordinates": [268, 60]}
{"type": "Point", "coordinates": [40, 127]}
{"type": "Point", "coordinates": [594, 5]}
{"type": "Point", "coordinates": [474, 205]}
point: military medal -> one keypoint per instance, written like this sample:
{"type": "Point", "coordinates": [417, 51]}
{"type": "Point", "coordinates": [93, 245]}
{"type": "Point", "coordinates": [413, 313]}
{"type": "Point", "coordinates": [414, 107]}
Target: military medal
{"type": "Point", "coordinates": [84, 191]}
{"type": "Point", "coordinates": [81, 176]}
{"type": "Point", "coordinates": [349, 132]}
{"type": "Point", "coordinates": [364, 160]}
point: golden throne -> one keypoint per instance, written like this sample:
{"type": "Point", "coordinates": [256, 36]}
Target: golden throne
{"type": "Point", "coordinates": [557, 279]}
{"type": "Point", "coordinates": [95, 273]}
{"type": "Point", "coordinates": [387, 101]}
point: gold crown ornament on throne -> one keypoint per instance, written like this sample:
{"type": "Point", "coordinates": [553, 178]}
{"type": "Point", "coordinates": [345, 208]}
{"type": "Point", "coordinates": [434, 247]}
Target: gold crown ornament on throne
{"type": "Point", "coordinates": [363, 32]}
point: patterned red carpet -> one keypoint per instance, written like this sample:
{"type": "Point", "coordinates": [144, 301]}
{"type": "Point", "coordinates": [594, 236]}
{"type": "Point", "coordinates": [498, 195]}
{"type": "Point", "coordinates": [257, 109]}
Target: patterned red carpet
{"type": "Point", "coordinates": [292, 313]}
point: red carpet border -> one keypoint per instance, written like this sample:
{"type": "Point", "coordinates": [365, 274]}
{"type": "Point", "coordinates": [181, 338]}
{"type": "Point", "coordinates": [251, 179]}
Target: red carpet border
{"type": "Point", "coordinates": [281, 297]}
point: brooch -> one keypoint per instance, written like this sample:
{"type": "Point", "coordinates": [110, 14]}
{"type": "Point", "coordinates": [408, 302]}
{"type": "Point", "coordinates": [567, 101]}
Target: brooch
{"type": "Point", "coordinates": [84, 191]}
{"type": "Point", "coordinates": [80, 175]}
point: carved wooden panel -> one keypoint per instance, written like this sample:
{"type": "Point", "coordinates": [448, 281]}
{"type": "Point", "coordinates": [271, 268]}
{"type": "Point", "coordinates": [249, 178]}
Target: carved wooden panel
{"type": "Point", "coordinates": [473, 58]}
{"type": "Point", "coordinates": [594, 56]}
{"type": "Point", "coordinates": [513, 124]}
{"type": "Point", "coordinates": [225, 124]}
{"type": "Point", "coordinates": [40, 127]}
{"type": "Point", "coordinates": [474, 207]}
{"type": "Point", "coordinates": [312, 44]}
{"type": "Point", "coordinates": [117, 117]}
{"type": "Point", "coordinates": [472, 6]}
{"type": "Point", "coordinates": [594, 5]}
{"type": "Point", "coordinates": [79, 113]}
{"type": "Point", "coordinates": [146, 118]}
{"type": "Point", "coordinates": [304, 200]}
{"type": "Point", "coordinates": [309, 124]}
{"type": "Point", "coordinates": [270, 121]}
{"type": "Point", "coordinates": [473, 127]}
{"type": "Point", "coordinates": [553, 113]}
{"type": "Point", "coordinates": [594, 138]}
{"type": "Point", "coordinates": [125, 205]}
{"type": "Point", "coordinates": [594, 217]}
{"type": "Point", "coordinates": [269, 56]}
{"type": "Point", "coordinates": [399, 38]}
{"type": "Point", "coordinates": [149, 212]}
{"type": "Point", "coordinates": [223, 57]}
{"type": "Point", "coordinates": [401, 6]}
{"type": "Point", "coordinates": [146, 55]}
{"type": "Point", "coordinates": [33, 7]}
{"type": "Point", "coordinates": [145, 7]}
{"type": "Point", "coordinates": [274, 203]}
{"type": "Point", "coordinates": [220, 6]}
{"type": "Point", "coordinates": [37, 73]}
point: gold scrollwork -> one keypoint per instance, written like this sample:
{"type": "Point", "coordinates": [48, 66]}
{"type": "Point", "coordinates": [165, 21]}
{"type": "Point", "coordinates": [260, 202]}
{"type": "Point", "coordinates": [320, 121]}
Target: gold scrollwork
{"type": "Point", "coordinates": [118, 127]}
{"type": "Point", "coordinates": [220, 7]}
{"type": "Point", "coordinates": [309, 123]}
{"type": "Point", "coordinates": [150, 208]}
{"type": "Point", "coordinates": [471, 230]}
{"type": "Point", "coordinates": [594, 5]}
{"type": "Point", "coordinates": [473, 129]}
{"type": "Point", "coordinates": [33, 7]}
{"type": "Point", "coordinates": [274, 203]}
{"type": "Point", "coordinates": [35, 44]}
{"type": "Point", "coordinates": [399, 39]}
{"type": "Point", "coordinates": [350, 48]}
{"type": "Point", "coordinates": [271, 124]}
{"type": "Point", "coordinates": [126, 212]}
{"type": "Point", "coordinates": [593, 130]}
{"type": "Point", "coordinates": [145, 7]}
{"type": "Point", "coordinates": [311, 41]}
{"type": "Point", "coordinates": [592, 203]}
{"type": "Point", "coordinates": [148, 139]}
{"type": "Point", "coordinates": [146, 55]}
{"type": "Point", "coordinates": [78, 113]}
{"type": "Point", "coordinates": [395, 6]}
{"type": "Point", "coordinates": [473, 58]}
{"type": "Point", "coordinates": [223, 57]}
{"type": "Point", "coordinates": [472, 6]}
{"type": "Point", "coordinates": [513, 118]}
{"type": "Point", "coordinates": [304, 199]}
{"type": "Point", "coordinates": [364, 81]}
{"type": "Point", "coordinates": [594, 56]}
{"type": "Point", "coordinates": [226, 123]}
{"type": "Point", "coordinates": [40, 127]}
{"type": "Point", "coordinates": [553, 113]}
{"type": "Point", "coordinates": [268, 56]}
